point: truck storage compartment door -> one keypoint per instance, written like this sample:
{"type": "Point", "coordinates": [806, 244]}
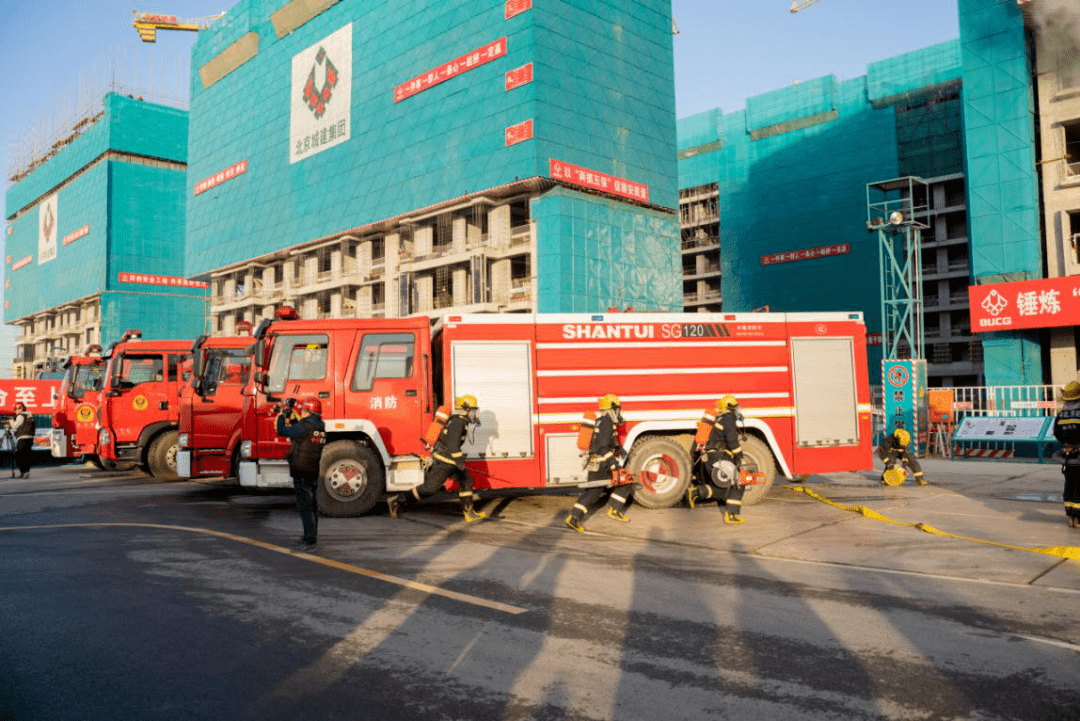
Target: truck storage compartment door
{"type": "Point", "coordinates": [826, 404]}
{"type": "Point", "coordinates": [499, 374]}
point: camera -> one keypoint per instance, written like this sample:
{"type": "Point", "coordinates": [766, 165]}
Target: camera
{"type": "Point", "coordinates": [286, 406]}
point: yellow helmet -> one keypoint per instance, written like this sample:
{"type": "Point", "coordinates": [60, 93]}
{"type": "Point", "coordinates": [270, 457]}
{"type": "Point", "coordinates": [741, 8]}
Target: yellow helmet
{"type": "Point", "coordinates": [466, 403]}
{"type": "Point", "coordinates": [1071, 391]}
{"type": "Point", "coordinates": [902, 436]}
{"type": "Point", "coordinates": [606, 402]}
{"type": "Point", "coordinates": [728, 401]}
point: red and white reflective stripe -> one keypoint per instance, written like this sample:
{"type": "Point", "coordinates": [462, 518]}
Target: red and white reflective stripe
{"type": "Point", "coordinates": [657, 399]}
{"type": "Point", "coordinates": [663, 344]}
{"type": "Point", "coordinates": [689, 416]}
{"type": "Point", "coordinates": [658, 371]}
{"type": "Point", "coordinates": [988, 453]}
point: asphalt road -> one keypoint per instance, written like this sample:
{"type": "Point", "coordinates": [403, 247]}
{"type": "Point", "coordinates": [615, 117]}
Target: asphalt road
{"type": "Point", "coordinates": [125, 599]}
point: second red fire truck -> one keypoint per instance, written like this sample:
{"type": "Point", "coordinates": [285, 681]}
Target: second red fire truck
{"type": "Point", "coordinates": [75, 420]}
{"type": "Point", "coordinates": [140, 398]}
{"type": "Point", "coordinates": [801, 379]}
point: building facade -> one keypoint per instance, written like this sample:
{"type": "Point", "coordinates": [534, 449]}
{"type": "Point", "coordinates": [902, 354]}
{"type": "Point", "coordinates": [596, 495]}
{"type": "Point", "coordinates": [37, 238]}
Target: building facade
{"type": "Point", "coordinates": [386, 159]}
{"type": "Point", "coordinates": [94, 244]}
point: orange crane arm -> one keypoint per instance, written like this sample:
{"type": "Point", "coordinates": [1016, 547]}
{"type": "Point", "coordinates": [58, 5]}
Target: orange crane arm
{"type": "Point", "coordinates": [147, 24]}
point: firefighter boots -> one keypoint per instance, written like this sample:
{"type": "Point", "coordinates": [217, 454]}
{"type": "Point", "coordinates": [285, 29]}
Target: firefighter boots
{"type": "Point", "coordinates": [471, 514]}
{"type": "Point", "coordinates": [732, 519]}
{"type": "Point", "coordinates": [394, 503]}
{"type": "Point", "coordinates": [616, 515]}
{"type": "Point", "coordinates": [573, 522]}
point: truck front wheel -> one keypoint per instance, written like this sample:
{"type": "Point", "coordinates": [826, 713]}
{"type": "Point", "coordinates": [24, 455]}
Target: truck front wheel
{"type": "Point", "coordinates": [161, 457]}
{"type": "Point", "coordinates": [351, 479]}
{"type": "Point", "coordinates": [758, 457]}
{"type": "Point", "coordinates": [664, 464]}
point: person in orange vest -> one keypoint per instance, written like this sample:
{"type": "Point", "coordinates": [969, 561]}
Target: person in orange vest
{"type": "Point", "coordinates": [1067, 431]}
{"type": "Point", "coordinates": [602, 459]}
{"type": "Point", "coordinates": [721, 457]}
{"type": "Point", "coordinates": [448, 462]}
{"type": "Point", "coordinates": [895, 451]}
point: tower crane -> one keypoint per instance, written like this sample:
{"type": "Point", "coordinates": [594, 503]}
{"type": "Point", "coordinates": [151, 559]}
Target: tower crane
{"type": "Point", "coordinates": [797, 5]}
{"type": "Point", "coordinates": [147, 24]}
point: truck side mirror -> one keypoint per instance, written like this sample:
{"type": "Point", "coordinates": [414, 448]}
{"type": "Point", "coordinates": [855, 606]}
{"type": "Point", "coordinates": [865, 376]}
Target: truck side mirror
{"type": "Point", "coordinates": [260, 379]}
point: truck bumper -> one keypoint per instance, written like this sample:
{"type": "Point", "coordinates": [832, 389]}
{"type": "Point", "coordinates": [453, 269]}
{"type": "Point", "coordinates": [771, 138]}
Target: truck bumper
{"type": "Point", "coordinates": [183, 463]}
{"type": "Point", "coordinates": [58, 443]}
{"type": "Point", "coordinates": [265, 474]}
{"type": "Point", "coordinates": [128, 453]}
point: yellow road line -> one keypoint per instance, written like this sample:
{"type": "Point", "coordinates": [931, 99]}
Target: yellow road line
{"type": "Point", "coordinates": [1071, 552]}
{"type": "Point", "coordinates": [330, 563]}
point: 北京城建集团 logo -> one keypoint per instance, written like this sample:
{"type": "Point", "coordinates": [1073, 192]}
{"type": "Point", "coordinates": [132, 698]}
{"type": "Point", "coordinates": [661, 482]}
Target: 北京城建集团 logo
{"type": "Point", "coordinates": [994, 303]}
{"type": "Point", "coordinates": [316, 97]}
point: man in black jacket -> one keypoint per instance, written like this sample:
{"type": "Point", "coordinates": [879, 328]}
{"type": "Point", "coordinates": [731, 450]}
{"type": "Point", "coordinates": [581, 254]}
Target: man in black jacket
{"type": "Point", "coordinates": [1067, 431]}
{"type": "Point", "coordinates": [306, 432]}
{"type": "Point", "coordinates": [721, 457]}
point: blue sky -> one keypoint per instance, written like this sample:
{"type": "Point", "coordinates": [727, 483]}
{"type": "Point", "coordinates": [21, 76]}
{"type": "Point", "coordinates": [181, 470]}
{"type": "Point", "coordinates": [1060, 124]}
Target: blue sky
{"type": "Point", "coordinates": [726, 51]}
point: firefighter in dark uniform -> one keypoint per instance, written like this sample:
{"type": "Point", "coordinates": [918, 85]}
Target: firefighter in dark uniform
{"type": "Point", "coordinates": [720, 458]}
{"type": "Point", "coordinates": [448, 462]}
{"type": "Point", "coordinates": [602, 459]}
{"type": "Point", "coordinates": [22, 427]}
{"type": "Point", "coordinates": [895, 451]}
{"type": "Point", "coordinates": [307, 435]}
{"type": "Point", "coordinates": [1067, 431]}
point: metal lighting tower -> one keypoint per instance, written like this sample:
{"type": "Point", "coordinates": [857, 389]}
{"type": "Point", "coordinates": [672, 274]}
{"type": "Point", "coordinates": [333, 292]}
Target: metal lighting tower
{"type": "Point", "coordinates": [897, 212]}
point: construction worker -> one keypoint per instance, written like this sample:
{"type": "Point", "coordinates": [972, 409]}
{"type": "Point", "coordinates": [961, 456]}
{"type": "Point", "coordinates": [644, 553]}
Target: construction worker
{"type": "Point", "coordinates": [602, 458]}
{"type": "Point", "coordinates": [306, 432]}
{"type": "Point", "coordinates": [895, 451]}
{"type": "Point", "coordinates": [448, 462]}
{"type": "Point", "coordinates": [1067, 431]}
{"type": "Point", "coordinates": [720, 458]}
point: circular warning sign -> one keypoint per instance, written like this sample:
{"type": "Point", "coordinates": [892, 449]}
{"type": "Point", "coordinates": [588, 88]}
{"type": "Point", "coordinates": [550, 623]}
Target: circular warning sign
{"type": "Point", "coordinates": [898, 376]}
{"type": "Point", "coordinates": [140, 403]}
{"type": "Point", "coordinates": [85, 414]}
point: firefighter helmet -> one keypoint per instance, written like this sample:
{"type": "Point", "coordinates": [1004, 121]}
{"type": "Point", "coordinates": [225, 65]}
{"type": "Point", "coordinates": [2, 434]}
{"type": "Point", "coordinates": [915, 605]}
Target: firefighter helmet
{"type": "Point", "coordinates": [606, 402]}
{"type": "Point", "coordinates": [466, 403]}
{"type": "Point", "coordinates": [1071, 391]}
{"type": "Point", "coordinates": [728, 401]}
{"type": "Point", "coordinates": [902, 437]}
{"type": "Point", "coordinates": [311, 404]}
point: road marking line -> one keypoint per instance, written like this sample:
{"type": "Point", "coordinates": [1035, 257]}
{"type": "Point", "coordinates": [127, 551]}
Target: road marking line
{"type": "Point", "coordinates": [330, 563]}
{"type": "Point", "coordinates": [1050, 642]}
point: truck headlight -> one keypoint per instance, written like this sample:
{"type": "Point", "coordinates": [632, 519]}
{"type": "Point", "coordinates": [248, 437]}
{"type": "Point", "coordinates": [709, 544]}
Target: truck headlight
{"type": "Point", "coordinates": [104, 437]}
{"type": "Point", "coordinates": [245, 449]}
{"type": "Point", "coordinates": [182, 440]}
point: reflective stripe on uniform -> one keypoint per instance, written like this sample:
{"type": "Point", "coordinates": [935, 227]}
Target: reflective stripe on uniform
{"type": "Point", "coordinates": [618, 498]}
{"type": "Point", "coordinates": [733, 502]}
{"type": "Point", "coordinates": [579, 507]}
{"type": "Point", "coordinates": [444, 459]}
{"type": "Point", "coordinates": [1072, 504]}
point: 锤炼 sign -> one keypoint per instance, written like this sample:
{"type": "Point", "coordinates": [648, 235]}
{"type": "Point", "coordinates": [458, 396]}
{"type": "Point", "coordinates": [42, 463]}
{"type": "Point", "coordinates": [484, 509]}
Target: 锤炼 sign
{"type": "Point", "coordinates": [1041, 303]}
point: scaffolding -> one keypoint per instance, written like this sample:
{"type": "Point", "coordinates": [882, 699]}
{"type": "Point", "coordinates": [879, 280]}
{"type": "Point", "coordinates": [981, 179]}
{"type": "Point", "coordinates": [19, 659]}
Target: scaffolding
{"type": "Point", "coordinates": [894, 208]}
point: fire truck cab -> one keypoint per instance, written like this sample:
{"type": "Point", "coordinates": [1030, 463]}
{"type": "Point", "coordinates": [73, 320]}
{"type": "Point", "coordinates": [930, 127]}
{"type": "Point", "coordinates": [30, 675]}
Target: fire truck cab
{"type": "Point", "coordinates": [74, 422]}
{"type": "Point", "coordinates": [801, 379]}
{"type": "Point", "coordinates": [210, 406]}
{"type": "Point", "coordinates": [140, 399]}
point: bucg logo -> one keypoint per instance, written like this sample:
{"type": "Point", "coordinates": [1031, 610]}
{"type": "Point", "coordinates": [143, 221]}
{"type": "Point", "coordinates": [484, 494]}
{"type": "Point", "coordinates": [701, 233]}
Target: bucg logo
{"type": "Point", "coordinates": [317, 98]}
{"type": "Point", "coordinates": [994, 303]}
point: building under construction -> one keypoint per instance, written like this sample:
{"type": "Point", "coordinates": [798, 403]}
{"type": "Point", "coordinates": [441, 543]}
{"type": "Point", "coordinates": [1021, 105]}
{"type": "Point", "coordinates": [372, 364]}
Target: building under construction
{"type": "Point", "coordinates": [95, 235]}
{"type": "Point", "coordinates": [385, 159]}
{"type": "Point", "coordinates": [773, 198]}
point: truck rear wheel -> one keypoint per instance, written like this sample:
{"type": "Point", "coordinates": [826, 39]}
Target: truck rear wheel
{"type": "Point", "coordinates": [664, 463]}
{"type": "Point", "coordinates": [161, 457]}
{"type": "Point", "coordinates": [351, 479]}
{"type": "Point", "coordinates": [758, 457]}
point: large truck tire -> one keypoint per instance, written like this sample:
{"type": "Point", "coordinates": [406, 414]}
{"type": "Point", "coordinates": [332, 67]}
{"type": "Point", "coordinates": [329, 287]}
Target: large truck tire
{"type": "Point", "coordinates": [351, 479]}
{"type": "Point", "coordinates": [161, 457]}
{"type": "Point", "coordinates": [667, 466]}
{"type": "Point", "coordinates": [758, 457]}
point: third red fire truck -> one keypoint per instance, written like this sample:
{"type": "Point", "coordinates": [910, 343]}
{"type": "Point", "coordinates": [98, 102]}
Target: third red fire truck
{"type": "Point", "coordinates": [801, 379]}
{"type": "Point", "coordinates": [210, 407]}
{"type": "Point", "coordinates": [140, 403]}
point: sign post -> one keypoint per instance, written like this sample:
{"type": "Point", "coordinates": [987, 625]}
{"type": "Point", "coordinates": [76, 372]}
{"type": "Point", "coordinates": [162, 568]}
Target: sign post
{"type": "Point", "coordinates": [905, 399]}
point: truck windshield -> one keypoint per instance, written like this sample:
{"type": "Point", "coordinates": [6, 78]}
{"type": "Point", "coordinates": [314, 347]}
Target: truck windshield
{"type": "Point", "coordinates": [131, 369]}
{"type": "Point", "coordinates": [225, 366]}
{"type": "Point", "coordinates": [296, 358]}
{"type": "Point", "coordinates": [85, 379]}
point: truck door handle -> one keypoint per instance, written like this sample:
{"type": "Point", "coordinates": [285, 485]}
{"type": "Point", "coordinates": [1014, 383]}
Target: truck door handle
{"type": "Point", "coordinates": [410, 393]}
{"type": "Point", "coordinates": [324, 394]}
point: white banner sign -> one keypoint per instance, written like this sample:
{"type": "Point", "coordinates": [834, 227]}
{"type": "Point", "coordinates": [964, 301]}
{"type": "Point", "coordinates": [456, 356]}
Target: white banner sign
{"type": "Point", "coordinates": [321, 95]}
{"type": "Point", "coordinates": [47, 221]}
{"type": "Point", "coordinates": [995, 428]}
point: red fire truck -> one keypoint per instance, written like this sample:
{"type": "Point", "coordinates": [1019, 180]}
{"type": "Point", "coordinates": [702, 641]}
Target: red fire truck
{"type": "Point", "coordinates": [74, 422]}
{"type": "Point", "coordinates": [140, 399]}
{"type": "Point", "coordinates": [801, 379]}
{"type": "Point", "coordinates": [210, 407]}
